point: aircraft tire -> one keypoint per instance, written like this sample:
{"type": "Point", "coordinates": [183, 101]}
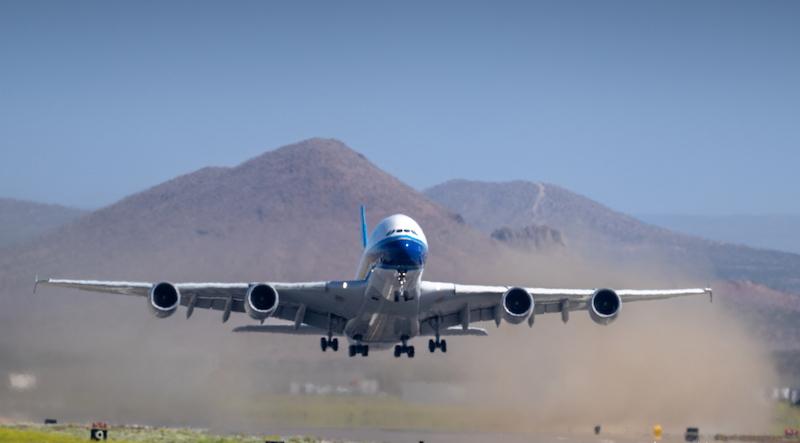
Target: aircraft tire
{"type": "Point", "coordinates": [364, 350]}
{"type": "Point", "coordinates": [410, 352]}
{"type": "Point", "coordinates": [335, 345]}
{"type": "Point", "coordinates": [397, 351]}
{"type": "Point", "coordinates": [351, 350]}
{"type": "Point", "coordinates": [443, 345]}
{"type": "Point", "coordinates": [431, 346]}
{"type": "Point", "coordinates": [323, 344]}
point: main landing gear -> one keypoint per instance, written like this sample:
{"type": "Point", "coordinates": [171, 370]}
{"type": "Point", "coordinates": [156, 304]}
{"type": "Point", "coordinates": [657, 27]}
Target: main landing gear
{"type": "Point", "coordinates": [404, 349]}
{"type": "Point", "coordinates": [437, 343]}
{"type": "Point", "coordinates": [354, 350]}
{"type": "Point", "coordinates": [327, 342]}
{"type": "Point", "coordinates": [434, 344]}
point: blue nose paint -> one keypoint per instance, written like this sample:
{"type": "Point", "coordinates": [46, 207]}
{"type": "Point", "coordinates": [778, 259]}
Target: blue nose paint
{"type": "Point", "coordinates": [402, 253]}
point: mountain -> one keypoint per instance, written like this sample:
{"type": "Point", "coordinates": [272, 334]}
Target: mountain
{"type": "Point", "coordinates": [252, 216]}
{"type": "Point", "coordinates": [22, 220]}
{"type": "Point", "coordinates": [775, 231]}
{"type": "Point", "coordinates": [607, 234]}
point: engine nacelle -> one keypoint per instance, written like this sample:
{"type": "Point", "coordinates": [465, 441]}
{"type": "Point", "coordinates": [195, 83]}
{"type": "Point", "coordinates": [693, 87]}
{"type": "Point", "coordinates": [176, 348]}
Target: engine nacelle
{"type": "Point", "coordinates": [164, 299]}
{"type": "Point", "coordinates": [517, 305]}
{"type": "Point", "coordinates": [261, 301]}
{"type": "Point", "coordinates": [604, 306]}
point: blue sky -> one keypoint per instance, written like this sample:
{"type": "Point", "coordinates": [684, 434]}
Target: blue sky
{"type": "Point", "coordinates": [649, 107]}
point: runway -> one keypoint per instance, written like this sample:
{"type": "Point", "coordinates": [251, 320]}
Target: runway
{"type": "Point", "coordinates": [404, 436]}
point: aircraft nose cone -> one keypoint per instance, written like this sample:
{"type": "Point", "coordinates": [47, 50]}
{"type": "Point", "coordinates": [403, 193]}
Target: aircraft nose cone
{"type": "Point", "coordinates": [404, 253]}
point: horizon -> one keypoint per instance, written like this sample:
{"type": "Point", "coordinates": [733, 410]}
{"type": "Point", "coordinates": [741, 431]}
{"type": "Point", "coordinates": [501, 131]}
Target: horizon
{"type": "Point", "coordinates": [683, 107]}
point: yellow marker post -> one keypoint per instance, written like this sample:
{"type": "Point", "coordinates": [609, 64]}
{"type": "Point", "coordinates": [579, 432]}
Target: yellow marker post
{"type": "Point", "coordinates": [658, 431]}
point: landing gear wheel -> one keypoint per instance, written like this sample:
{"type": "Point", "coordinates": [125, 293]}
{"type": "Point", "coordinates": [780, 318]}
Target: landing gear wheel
{"type": "Point", "coordinates": [443, 345]}
{"type": "Point", "coordinates": [334, 344]}
{"type": "Point", "coordinates": [410, 352]}
{"type": "Point", "coordinates": [398, 350]}
{"type": "Point", "coordinates": [323, 344]}
{"type": "Point", "coordinates": [364, 350]}
{"type": "Point", "coordinates": [351, 350]}
{"type": "Point", "coordinates": [431, 346]}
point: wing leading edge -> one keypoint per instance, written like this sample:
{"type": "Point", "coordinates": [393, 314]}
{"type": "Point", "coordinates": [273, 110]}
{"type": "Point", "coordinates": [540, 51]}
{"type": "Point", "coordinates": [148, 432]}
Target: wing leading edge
{"type": "Point", "coordinates": [319, 305]}
{"type": "Point", "coordinates": [445, 305]}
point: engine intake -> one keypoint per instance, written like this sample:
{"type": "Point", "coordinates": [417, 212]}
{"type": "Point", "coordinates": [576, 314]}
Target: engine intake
{"type": "Point", "coordinates": [604, 306]}
{"type": "Point", "coordinates": [261, 301]}
{"type": "Point", "coordinates": [164, 299]}
{"type": "Point", "coordinates": [517, 305]}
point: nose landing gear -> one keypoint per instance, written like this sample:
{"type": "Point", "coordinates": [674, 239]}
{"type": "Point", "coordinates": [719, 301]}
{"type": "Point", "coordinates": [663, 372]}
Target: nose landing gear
{"type": "Point", "coordinates": [329, 341]}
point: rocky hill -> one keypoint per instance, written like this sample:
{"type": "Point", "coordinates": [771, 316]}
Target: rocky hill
{"type": "Point", "coordinates": [603, 233]}
{"type": "Point", "coordinates": [287, 214]}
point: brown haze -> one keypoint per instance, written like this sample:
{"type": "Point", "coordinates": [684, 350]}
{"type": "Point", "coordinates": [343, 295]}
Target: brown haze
{"type": "Point", "coordinates": [22, 220]}
{"type": "Point", "coordinates": [675, 362]}
{"type": "Point", "coordinates": [291, 214]}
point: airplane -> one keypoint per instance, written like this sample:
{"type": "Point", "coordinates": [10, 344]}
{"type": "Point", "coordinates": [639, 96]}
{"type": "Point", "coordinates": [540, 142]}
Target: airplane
{"type": "Point", "coordinates": [388, 303]}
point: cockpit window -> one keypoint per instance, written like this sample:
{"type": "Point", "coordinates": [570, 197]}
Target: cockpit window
{"type": "Point", "coordinates": [400, 231]}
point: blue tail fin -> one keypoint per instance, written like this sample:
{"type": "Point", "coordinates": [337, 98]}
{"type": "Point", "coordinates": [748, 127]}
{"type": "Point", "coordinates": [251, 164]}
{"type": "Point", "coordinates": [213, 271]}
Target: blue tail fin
{"type": "Point", "coordinates": [363, 227]}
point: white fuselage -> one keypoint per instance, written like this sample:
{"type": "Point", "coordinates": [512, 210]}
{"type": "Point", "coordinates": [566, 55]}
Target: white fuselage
{"type": "Point", "coordinates": [392, 266]}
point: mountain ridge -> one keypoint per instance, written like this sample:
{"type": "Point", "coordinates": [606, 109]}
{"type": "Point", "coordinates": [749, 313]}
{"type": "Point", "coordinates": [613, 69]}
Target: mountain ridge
{"type": "Point", "coordinates": [605, 232]}
{"type": "Point", "coordinates": [250, 219]}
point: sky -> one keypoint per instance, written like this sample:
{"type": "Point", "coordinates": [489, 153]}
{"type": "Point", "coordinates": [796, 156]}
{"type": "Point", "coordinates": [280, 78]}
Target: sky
{"type": "Point", "coordinates": [689, 107]}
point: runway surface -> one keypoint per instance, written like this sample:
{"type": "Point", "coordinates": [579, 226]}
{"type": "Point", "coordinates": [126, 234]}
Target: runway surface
{"type": "Point", "coordinates": [402, 436]}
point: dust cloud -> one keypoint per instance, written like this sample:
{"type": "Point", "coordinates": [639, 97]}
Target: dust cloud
{"type": "Point", "coordinates": [681, 362]}
{"type": "Point", "coordinates": [682, 365]}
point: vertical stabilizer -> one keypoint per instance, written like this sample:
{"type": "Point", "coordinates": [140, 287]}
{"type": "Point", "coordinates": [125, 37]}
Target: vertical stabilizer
{"type": "Point", "coordinates": [363, 227]}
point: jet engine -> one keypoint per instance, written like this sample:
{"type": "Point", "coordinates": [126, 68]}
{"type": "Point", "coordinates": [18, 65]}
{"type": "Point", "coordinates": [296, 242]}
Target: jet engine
{"type": "Point", "coordinates": [164, 299]}
{"type": "Point", "coordinates": [604, 306]}
{"type": "Point", "coordinates": [517, 305]}
{"type": "Point", "coordinates": [261, 301]}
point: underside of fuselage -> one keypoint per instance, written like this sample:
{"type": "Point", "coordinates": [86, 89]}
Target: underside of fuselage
{"type": "Point", "coordinates": [390, 310]}
{"type": "Point", "coordinates": [392, 265]}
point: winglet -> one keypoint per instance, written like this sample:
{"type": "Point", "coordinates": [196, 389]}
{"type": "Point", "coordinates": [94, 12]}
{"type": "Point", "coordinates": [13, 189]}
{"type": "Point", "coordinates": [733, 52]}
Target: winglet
{"type": "Point", "coordinates": [363, 227]}
{"type": "Point", "coordinates": [710, 295]}
{"type": "Point", "coordinates": [36, 281]}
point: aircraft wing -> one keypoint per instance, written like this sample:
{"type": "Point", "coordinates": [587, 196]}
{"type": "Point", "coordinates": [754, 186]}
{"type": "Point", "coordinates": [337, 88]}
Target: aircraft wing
{"type": "Point", "coordinates": [452, 304]}
{"type": "Point", "coordinates": [321, 305]}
